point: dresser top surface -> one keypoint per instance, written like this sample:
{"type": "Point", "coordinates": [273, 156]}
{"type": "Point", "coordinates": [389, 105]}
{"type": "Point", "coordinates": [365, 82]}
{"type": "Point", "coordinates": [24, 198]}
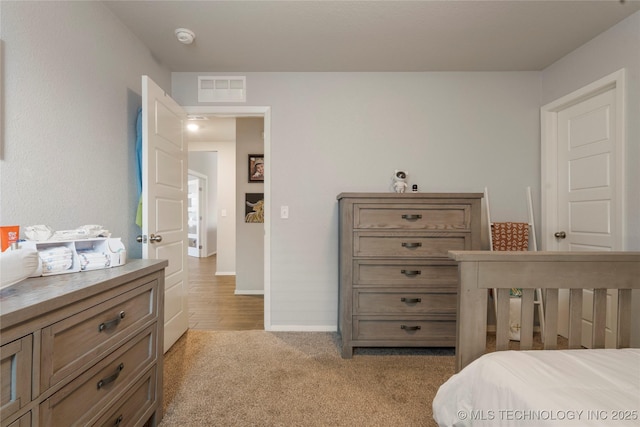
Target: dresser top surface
{"type": "Point", "coordinates": [39, 294]}
{"type": "Point", "coordinates": [409, 196]}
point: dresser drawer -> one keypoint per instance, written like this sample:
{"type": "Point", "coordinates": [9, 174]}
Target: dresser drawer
{"type": "Point", "coordinates": [408, 245]}
{"type": "Point", "coordinates": [15, 376]}
{"type": "Point", "coordinates": [83, 397]}
{"type": "Point", "coordinates": [407, 301]}
{"type": "Point", "coordinates": [132, 408]}
{"type": "Point", "coordinates": [412, 216]}
{"type": "Point", "coordinates": [23, 421]}
{"type": "Point", "coordinates": [433, 331]}
{"type": "Point", "coordinates": [393, 273]}
{"type": "Point", "coordinates": [70, 343]}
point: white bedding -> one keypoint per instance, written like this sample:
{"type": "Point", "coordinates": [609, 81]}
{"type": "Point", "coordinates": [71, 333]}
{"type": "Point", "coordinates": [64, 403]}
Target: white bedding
{"type": "Point", "coordinates": [544, 388]}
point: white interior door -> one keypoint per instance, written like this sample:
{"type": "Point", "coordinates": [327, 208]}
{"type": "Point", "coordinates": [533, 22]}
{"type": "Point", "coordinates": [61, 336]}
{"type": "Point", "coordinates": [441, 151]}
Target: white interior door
{"type": "Point", "coordinates": [164, 201]}
{"type": "Point", "coordinates": [588, 193]}
{"type": "Point", "coordinates": [197, 217]}
{"type": "Point", "coordinates": [193, 216]}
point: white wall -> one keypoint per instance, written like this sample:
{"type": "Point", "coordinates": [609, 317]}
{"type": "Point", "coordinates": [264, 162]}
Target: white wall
{"type": "Point", "coordinates": [226, 197]}
{"type": "Point", "coordinates": [206, 163]}
{"type": "Point", "coordinates": [335, 132]}
{"type": "Point", "coordinates": [617, 48]}
{"type": "Point", "coordinates": [72, 85]}
{"type": "Point", "coordinates": [249, 236]}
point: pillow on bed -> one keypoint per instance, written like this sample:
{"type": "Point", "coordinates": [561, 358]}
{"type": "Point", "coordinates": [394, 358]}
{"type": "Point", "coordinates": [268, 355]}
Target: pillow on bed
{"type": "Point", "coordinates": [17, 265]}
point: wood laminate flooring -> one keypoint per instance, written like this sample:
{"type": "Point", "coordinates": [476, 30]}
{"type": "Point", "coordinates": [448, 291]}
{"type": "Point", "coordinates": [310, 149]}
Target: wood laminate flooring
{"type": "Point", "coordinates": [213, 304]}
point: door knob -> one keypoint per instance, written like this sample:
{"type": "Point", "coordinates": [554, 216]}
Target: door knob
{"type": "Point", "coordinates": [155, 239]}
{"type": "Point", "coordinates": [141, 239]}
{"type": "Point", "coordinates": [560, 234]}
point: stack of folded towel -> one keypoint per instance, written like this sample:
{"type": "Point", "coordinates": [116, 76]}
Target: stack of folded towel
{"type": "Point", "coordinates": [56, 259]}
{"type": "Point", "coordinates": [90, 260]}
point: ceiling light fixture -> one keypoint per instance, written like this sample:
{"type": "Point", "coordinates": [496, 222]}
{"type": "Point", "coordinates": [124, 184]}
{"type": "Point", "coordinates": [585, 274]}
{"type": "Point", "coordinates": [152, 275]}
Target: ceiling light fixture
{"type": "Point", "coordinates": [193, 127]}
{"type": "Point", "coordinates": [185, 35]}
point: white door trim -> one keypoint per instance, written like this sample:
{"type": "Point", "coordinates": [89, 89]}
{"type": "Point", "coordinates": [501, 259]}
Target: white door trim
{"type": "Point", "coordinates": [248, 111]}
{"type": "Point", "coordinates": [549, 149]}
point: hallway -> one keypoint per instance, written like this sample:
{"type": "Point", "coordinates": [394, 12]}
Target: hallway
{"type": "Point", "coordinates": [213, 305]}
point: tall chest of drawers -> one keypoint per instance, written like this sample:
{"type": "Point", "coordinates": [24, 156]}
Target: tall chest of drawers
{"type": "Point", "coordinates": [398, 288]}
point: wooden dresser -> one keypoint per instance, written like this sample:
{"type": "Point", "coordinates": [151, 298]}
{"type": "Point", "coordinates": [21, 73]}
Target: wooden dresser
{"type": "Point", "coordinates": [83, 348]}
{"type": "Point", "coordinates": [398, 288]}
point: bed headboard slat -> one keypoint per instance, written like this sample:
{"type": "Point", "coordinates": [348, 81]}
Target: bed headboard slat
{"type": "Point", "coordinates": [551, 320]}
{"type": "Point", "coordinates": [599, 330]}
{"type": "Point", "coordinates": [526, 319]}
{"type": "Point", "coordinates": [575, 318]}
{"type": "Point", "coordinates": [502, 322]}
{"type": "Point", "coordinates": [624, 318]}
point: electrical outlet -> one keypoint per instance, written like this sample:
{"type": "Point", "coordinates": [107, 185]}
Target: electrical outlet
{"type": "Point", "coordinates": [284, 212]}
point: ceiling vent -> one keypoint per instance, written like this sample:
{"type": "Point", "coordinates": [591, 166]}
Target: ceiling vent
{"type": "Point", "coordinates": [222, 89]}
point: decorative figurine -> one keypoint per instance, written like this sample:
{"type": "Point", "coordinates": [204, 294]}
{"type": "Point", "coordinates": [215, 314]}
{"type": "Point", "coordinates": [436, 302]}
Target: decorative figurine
{"type": "Point", "coordinates": [399, 181]}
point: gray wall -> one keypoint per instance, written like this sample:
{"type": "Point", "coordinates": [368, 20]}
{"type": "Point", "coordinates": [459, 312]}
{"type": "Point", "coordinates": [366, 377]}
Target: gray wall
{"type": "Point", "coordinates": [72, 86]}
{"type": "Point", "coordinates": [249, 236]}
{"type": "Point", "coordinates": [336, 132]}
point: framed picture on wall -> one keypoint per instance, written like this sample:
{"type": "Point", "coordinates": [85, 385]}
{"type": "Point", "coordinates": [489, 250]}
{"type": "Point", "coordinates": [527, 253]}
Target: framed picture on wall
{"type": "Point", "coordinates": [254, 207]}
{"type": "Point", "coordinates": [256, 167]}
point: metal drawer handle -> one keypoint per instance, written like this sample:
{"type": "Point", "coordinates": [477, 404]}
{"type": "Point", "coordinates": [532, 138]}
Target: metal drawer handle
{"type": "Point", "coordinates": [411, 272]}
{"type": "Point", "coordinates": [410, 328]}
{"type": "Point", "coordinates": [118, 421]}
{"type": "Point", "coordinates": [411, 245]}
{"type": "Point", "coordinates": [111, 323]}
{"type": "Point", "coordinates": [412, 217]}
{"type": "Point", "coordinates": [111, 378]}
{"type": "Point", "coordinates": [411, 301]}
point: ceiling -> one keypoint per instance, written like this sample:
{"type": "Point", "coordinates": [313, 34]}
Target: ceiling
{"type": "Point", "coordinates": [308, 36]}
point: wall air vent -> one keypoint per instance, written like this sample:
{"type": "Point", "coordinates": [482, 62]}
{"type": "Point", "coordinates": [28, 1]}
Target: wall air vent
{"type": "Point", "coordinates": [222, 89]}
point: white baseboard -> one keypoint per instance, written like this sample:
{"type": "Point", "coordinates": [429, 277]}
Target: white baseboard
{"type": "Point", "coordinates": [302, 328]}
{"type": "Point", "coordinates": [249, 292]}
{"type": "Point", "coordinates": [225, 273]}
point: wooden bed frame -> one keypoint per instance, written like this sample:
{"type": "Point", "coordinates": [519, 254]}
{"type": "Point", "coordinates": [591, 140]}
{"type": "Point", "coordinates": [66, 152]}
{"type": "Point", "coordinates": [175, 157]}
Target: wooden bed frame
{"type": "Point", "coordinates": [480, 271]}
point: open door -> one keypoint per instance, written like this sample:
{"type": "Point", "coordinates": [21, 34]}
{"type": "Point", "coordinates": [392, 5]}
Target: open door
{"type": "Point", "coordinates": [164, 201]}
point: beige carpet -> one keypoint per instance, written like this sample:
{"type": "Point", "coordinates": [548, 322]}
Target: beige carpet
{"type": "Point", "coordinates": [258, 378]}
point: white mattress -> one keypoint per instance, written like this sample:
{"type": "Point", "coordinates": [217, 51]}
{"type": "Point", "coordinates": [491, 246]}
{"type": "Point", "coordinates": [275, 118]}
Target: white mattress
{"type": "Point", "coordinates": [544, 388]}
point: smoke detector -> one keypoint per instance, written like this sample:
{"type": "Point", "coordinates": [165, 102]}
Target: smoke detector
{"type": "Point", "coordinates": [185, 35]}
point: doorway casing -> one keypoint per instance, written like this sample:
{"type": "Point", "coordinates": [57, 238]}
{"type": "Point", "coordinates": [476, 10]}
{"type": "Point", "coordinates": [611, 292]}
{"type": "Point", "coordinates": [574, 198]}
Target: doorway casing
{"type": "Point", "coordinates": [265, 113]}
{"type": "Point", "coordinates": [549, 148]}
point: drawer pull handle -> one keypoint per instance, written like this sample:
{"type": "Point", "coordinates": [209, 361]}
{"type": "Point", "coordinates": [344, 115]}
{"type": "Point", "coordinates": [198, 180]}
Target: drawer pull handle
{"type": "Point", "coordinates": [111, 323]}
{"type": "Point", "coordinates": [411, 272]}
{"type": "Point", "coordinates": [410, 328]}
{"type": "Point", "coordinates": [111, 378]}
{"type": "Point", "coordinates": [411, 245]}
{"type": "Point", "coordinates": [411, 217]}
{"type": "Point", "coordinates": [118, 421]}
{"type": "Point", "coordinates": [411, 300]}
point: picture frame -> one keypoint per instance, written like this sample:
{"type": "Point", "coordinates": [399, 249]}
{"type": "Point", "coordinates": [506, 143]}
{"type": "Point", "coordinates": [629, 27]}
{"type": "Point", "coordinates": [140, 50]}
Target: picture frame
{"type": "Point", "coordinates": [256, 167]}
{"type": "Point", "coordinates": [254, 208]}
